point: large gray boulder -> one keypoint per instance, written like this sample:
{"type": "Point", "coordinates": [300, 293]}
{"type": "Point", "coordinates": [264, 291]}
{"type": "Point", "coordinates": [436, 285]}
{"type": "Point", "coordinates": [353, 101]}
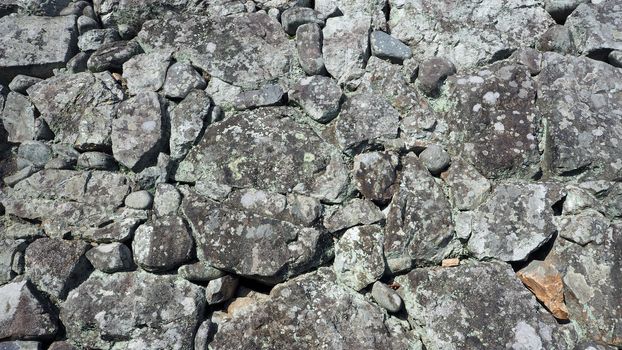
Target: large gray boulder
{"type": "Point", "coordinates": [25, 313]}
{"type": "Point", "coordinates": [35, 45]}
{"type": "Point", "coordinates": [133, 310]}
{"type": "Point", "coordinates": [595, 28]}
{"type": "Point", "coordinates": [346, 46]}
{"type": "Point", "coordinates": [579, 98]}
{"type": "Point", "coordinates": [348, 320]}
{"type": "Point", "coordinates": [246, 50]}
{"type": "Point", "coordinates": [467, 33]}
{"type": "Point", "coordinates": [477, 314]}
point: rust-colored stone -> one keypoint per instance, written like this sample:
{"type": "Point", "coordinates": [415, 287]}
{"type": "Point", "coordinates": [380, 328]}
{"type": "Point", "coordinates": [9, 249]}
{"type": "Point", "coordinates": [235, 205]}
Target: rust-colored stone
{"type": "Point", "coordinates": [450, 262]}
{"type": "Point", "coordinates": [546, 284]}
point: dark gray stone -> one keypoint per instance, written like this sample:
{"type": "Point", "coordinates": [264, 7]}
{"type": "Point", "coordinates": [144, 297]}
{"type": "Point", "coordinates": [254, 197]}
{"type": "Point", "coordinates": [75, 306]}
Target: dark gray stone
{"type": "Point", "coordinates": [385, 46]}
{"type": "Point", "coordinates": [558, 39]}
{"type": "Point", "coordinates": [355, 212]}
{"type": "Point", "coordinates": [375, 174]}
{"type": "Point", "coordinates": [595, 28]}
{"type": "Point", "coordinates": [97, 161]}
{"type": "Point", "coordinates": [78, 63]}
{"type": "Point", "coordinates": [221, 289]}
{"type": "Point", "coordinates": [35, 153]}
{"type": "Point", "coordinates": [25, 314]}
{"type": "Point", "coordinates": [269, 95]}
{"type": "Point", "coordinates": [200, 272]}
{"type": "Point", "coordinates": [86, 23]}
{"type": "Point", "coordinates": [94, 39]}
{"type": "Point", "coordinates": [432, 74]}
{"type": "Point", "coordinates": [320, 97]}
{"type": "Point", "coordinates": [22, 82]}
{"type": "Point", "coordinates": [113, 55]}
{"type": "Point", "coordinates": [181, 79]}
{"type": "Point", "coordinates": [294, 17]}
{"type": "Point", "coordinates": [309, 47]}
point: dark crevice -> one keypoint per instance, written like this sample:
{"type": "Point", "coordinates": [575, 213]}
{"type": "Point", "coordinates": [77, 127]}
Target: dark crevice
{"type": "Point", "coordinates": [558, 206]}
{"type": "Point", "coordinates": [600, 54]}
{"type": "Point", "coordinates": [501, 55]}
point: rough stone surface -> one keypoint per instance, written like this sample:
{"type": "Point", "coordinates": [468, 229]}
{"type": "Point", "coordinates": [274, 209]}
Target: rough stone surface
{"type": "Point", "coordinates": [320, 97]}
{"type": "Point", "coordinates": [546, 284]}
{"type": "Point", "coordinates": [22, 82]}
{"type": "Point", "coordinates": [386, 297]}
{"type": "Point", "coordinates": [309, 48]}
{"type": "Point", "coordinates": [293, 18]}
{"type": "Point", "coordinates": [113, 55]}
{"type": "Point", "coordinates": [25, 315]}
{"type": "Point", "coordinates": [97, 161]}
{"type": "Point", "coordinates": [94, 39]}
{"type": "Point", "coordinates": [595, 28]}
{"type": "Point", "coordinates": [355, 212]}
{"type": "Point", "coordinates": [188, 119]}
{"type": "Point", "coordinates": [181, 78]}
{"type": "Point", "coordinates": [18, 118]}
{"type": "Point", "coordinates": [139, 200]}
{"type": "Point", "coordinates": [111, 257]}
{"type": "Point", "coordinates": [435, 158]}
{"type": "Point", "coordinates": [375, 174]}
{"type": "Point", "coordinates": [385, 46]}
{"type": "Point", "coordinates": [220, 289]}
{"type": "Point", "coordinates": [468, 187]}
{"type": "Point", "coordinates": [269, 95]}
{"type": "Point", "coordinates": [346, 46]}
{"type": "Point", "coordinates": [134, 309]}
{"type": "Point", "coordinates": [11, 256]}
{"type": "Point", "coordinates": [162, 245]}
{"type": "Point", "coordinates": [358, 257]}
{"type": "Point", "coordinates": [147, 71]}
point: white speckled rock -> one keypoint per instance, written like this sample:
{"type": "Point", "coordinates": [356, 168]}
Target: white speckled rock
{"type": "Point", "coordinates": [139, 200]}
{"type": "Point", "coordinates": [181, 78]}
{"type": "Point", "coordinates": [146, 72]}
{"type": "Point", "coordinates": [110, 258]}
{"type": "Point", "coordinates": [358, 256]}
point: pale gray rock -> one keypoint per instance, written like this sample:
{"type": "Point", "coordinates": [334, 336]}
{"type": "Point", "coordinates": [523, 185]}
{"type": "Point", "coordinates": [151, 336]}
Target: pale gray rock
{"type": "Point", "coordinates": [200, 272]}
{"type": "Point", "coordinates": [355, 212]}
{"type": "Point", "coordinates": [386, 297]}
{"type": "Point", "coordinates": [22, 82]}
{"type": "Point", "coordinates": [139, 200]}
{"type": "Point", "coordinates": [365, 120]}
{"type": "Point", "coordinates": [21, 345]}
{"type": "Point", "coordinates": [113, 55]}
{"type": "Point", "coordinates": [11, 252]}
{"type": "Point", "coordinates": [587, 227]}
{"type": "Point", "coordinates": [20, 175]}
{"type": "Point", "coordinates": [477, 314]}
{"type": "Point", "coordinates": [595, 28]}
{"type": "Point", "coordinates": [467, 187]}
{"type": "Point", "coordinates": [468, 33]}
{"type": "Point", "coordinates": [516, 220]}
{"type": "Point", "coordinates": [375, 173]}
{"type": "Point", "coordinates": [35, 45]}
{"type": "Point", "coordinates": [359, 260]}
{"type": "Point", "coordinates": [421, 235]}
{"type": "Point", "coordinates": [221, 289]}
{"type": "Point", "coordinates": [166, 200]}
{"type": "Point", "coordinates": [18, 118]}
{"type": "Point", "coordinates": [181, 78]}
{"type": "Point", "coordinates": [615, 58]}
{"type": "Point", "coordinates": [435, 158]}
{"type": "Point", "coordinates": [303, 209]}
{"type": "Point", "coordinates": [96, 161]}
{"type": "Point", "coordinates": [25, 313]}
{"type": "Point", "coordinates": [188, 120]}
{"type": "Point", "coordinates": [94, 39]}
{"type": "Point", "coordinates": [558, 39]}
{"type": "Point", "coordinates": [346, 46]}
{"type": "Point", "coordinates": [86, 23]}
{"type": "Point", "coordinates": [61, 345]}
{"type": "Point", "coordinates": [432, 74]}
{"type": "Point", "coordinates": [268, 95]}
{"type": "Point", "coordinates": [293, 18]}
{"type": "Point", "coordinates": [56, 266]}
{"type": "Point", "coordinates": [146, 71]}
{"type": "Point", "coordinates": [309, 48]}
{"type": "Point", "coordinates": [12, 229]}
{"type": "Point", "coordinates": [530, 58]}
{"type": "Point", "coordinates": [137, 134]}
{"type": "Point", "coordinates": [320, 97]}
{"type": "Point", "coordinates": [258, 201]}
{"type": "Point", "coordinates": [133, 310]}
{"type": "Point", "coordinates": [203, 336]}
{"type": "Point", "coordinates": [385, 46]}
{"type": "Point", "coordinates": [35, 153]}
{"type": "Point", "coordinates": [222, 93]}
{"type": "Point", "coordinates": [111, 257]}
{"type": "Point", "coordinates": [348, 320]}
{"type": "Point", "coordinates": [162, 245]}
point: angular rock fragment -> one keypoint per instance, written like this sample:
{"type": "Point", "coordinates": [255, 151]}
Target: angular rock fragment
{"type": "Point", "coordinates": [133, 310]}
{"type": "Point", "coordinates": [137, 133]}
{"type": "Point", "coordinates": [162, 245]}
{"type": "Point", "coordinates": [113, 55]}
{"type": "Point", "coordinates": [320, 97]}
{"type": "Point", "coordinates": [560, 9]}
{"type": "Point", "coordinates": [595, 28]}
{"type": "Point", "coordinates": [34, 153]}
{"type": "Point", "coordinates": [309, 47]}
{"type": "Point", "coordinates": [467, 187]}
{"type": "Point", "coordinates": [35, 45]}
{"type": "Point", "coordinates": [200, 272]}
{"type": "Point", "coordinates": [355, 212]}
{"type": "Point", "coordinates": [188, 119]}
{"type": "Point", "coordinates": [346, 46]}
{"type": "Point", "coordinates": [221, 289]}
{"type": "Point", "coordinates": [348, 321]}
{"type": "Point", "coordinates": [476, 314]}
{"type": "Point", "coordinates": [181, 78]}
{"type": "Point", "coordinates": [359, 260]}
{"type": "Point", "coordinates": [18, 118]}
{"type": "Point", "coordinates": [55, 265]}
{"type": "Point", "coordinates": [146, 71]}
{"type": "Point", "coordinates": [385, 46]}
{"type": "Point", "coordinates": [97, 161]}
{"type": "Point", "coordinates": [94, 39]}
{"type": "Point", "coordinates": [111, 257]}
{"type": "Point", "coordinates": [166, 200]}
{"type": "Point", "coordinates": [293, 18]}
{"type": "Point", "coordinates": [375, 174]}
{"type": "Point", "coordinates": [546, 284]}
{"type": "Point", "coordinates": [432, 74]}
{"type": "Point", "coordinates": [11, 255]}
{"type": "Point", "coordinates": [269, 95]}
{"type": "Point", "coordinates": [589, 226]}
{"type": "Point", "coordinates": [86, 23]}
{"type": "Point", "coordinates": [24, 313]}
{"type": "Point", "coordinates": [22, 82]}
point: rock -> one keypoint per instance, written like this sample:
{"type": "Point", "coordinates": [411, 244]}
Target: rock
{"type": "Point", "coordinates": [355, 212]}
{"type": "Point", "coordinates": [86, 23]}
{"type": "Point", "coordinates": [139, 200]}
{"type": "Point", "coordinates": [309, 47]}
{"type": "Point", "coordinates": [199, 272]}
{"type": "Point", "coordinates": [25, 314]}
{"type": "Point", "coordinates": [74, 8]}
{"type": "Point", "coordinates": [303, 209]}
{"type": "Point", "coordinates": [578, 200]}
{"type": "Point", "coordinates": [247, 50]}
{"type": "Point", "coordinates": [279, 155]}
{"type": "Point", "coordinates": [463, 33]}
{"type": "Point", "coordinates": [502, 314]}
{"type": "Point", "coordinates": [359, 260]}
{"type": "Point", "coordinates": [55, 266]}
{"type": "Point", "coordinates": [70, 102]}
{"type": "Point", "coordinates": [18, 118]}
{"type": "Point", "coordinates": [453, 262]}
{"type": "Point", "coordinates": [467, 187]}
{"type": "Point", "coordinates": [134, 309]}
{"type": "Point", "coordinates": [432, 74]}
{"type": "Point", "coordinates": [269, 95]}
{"type": "Point", "coordinates": [595, 28]}
{"type": "Point", "coordinates": [21, 345]}
{"type": "Point", "coordinates": [112, 56]}
{"type": "Point", "coordinates": [560, 9]}
{"type": "Point", "coordinates": [435, 158]}
{"type": "Point", "coordinates": [166, 200]}
{"type": "Point", "coordinates": [137, 133]}
{"type": "Point", "coordinates": [546, 284]}
{"type": "Point", "coordinates": [348, 322]}
{"type": "Point", "coordinates": [346, 46]}
{"type": "Point", "coordinates": [557, 38]}
{"type": "Point", "coordinates": [61, 345]}
{"type": "Point", "coordinates": [516, 220]}
{"type": "Point", "coordinates": [573, 128]}
{"type": "Point", "coordinates": [320, 97]}
{"type": "Point", "coordinates": [17, 230]}
{"type": "Point", "coordinates": [181, 78]}
{"type": "Point", "coordinates": [35, 153]}
{"type": "Point", "coordinates": [421, 235]}
{"type": "Point", "coordinates": [188, 120]}
{"type": "Point", "coordinates": [204, 332]}
{"type": "Point", "coordinates": [222, 93]}
{"type": "Point", "coordinates": [364, 121]}
{"type": "Point", "coordinates": [588, 227]}
{"type": "Point", "coordinates": [528, 57]}
{"type": "Point", "coordinates": [42, 130]}
{"type": "Point", "coordinates": [494, 108]}
{"type": "Point", "coordinates": [220, 289]}
{"type": "Point", "coordinates": [111, 257]}
{"type": "Point", "coordinates": [97, 160]}
{"type": "Point", "coordinates": [162, 245]}
{"type": "Point", "coordinates": [374, 175]}
{"type": "Point", "coordinates": [615, 58]}
{"type": "Point", "coordinates": [386, 297]}
{"type": "Point", "coordinates": [258, 201]}
{"type": "Point", "coordinates": [22, 82]}
{"type": "Point", "coordinates": [38, 45]}
{"type": "Point", "coordinates": [294, 17]}
{"type": "Point", "coordinates": [251, 245]}
{"type": "Point", "coordinates": [385, 46]}
{"type": "Point", "coordinates": [94, 39]}
{"type": "Point", "coordinates": [20, 175]}
{"type": "Point", "coordinates": [11, 255]}
{"type": "Point", "coordinates": [146, 71]}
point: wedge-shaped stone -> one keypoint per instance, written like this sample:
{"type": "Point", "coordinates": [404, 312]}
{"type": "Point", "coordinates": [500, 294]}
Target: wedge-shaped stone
{"type": "Point", "coordinates": [24, 315]}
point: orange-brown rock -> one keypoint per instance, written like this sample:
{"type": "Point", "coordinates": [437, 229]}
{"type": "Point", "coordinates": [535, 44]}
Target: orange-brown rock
{"type": "Point", "coordinates": [546, 284]}
{"type": "Point", "coordinates": [450, 262]}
